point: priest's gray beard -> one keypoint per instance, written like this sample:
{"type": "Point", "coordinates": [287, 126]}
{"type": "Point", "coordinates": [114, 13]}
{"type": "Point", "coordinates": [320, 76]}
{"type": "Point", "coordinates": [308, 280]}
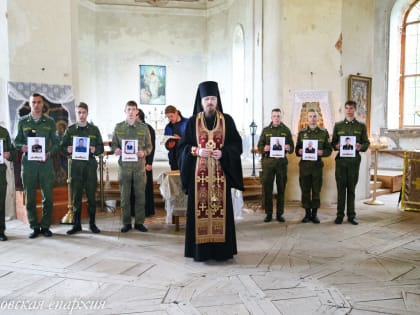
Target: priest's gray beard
{"type": "Point", "coordinates": [210, 114]}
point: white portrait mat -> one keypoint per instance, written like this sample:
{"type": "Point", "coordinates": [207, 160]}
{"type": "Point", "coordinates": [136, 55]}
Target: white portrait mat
{"type": "Point", "coordinates": [277, 153]}
{"type": "Point", "coordinates": [129, 148]}
{"type": "Point", "coordinates": [348, 153]}
{"type": "Point", "coordinates": [36, 156]}
{"type": "Point", "coordinates": [80, 155]}
{"type": "Point", "coordinates": [309, 156]}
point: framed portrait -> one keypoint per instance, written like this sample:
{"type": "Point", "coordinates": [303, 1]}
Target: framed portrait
{"type": "Point", "coordinates": [310, 150]}
{"type": "Point", "coordinates": [360, 91]}
{"type": "Point", "coordinates": [277, 147]}
{"type": "Point", "coordinates": [152, 85]}
{"type": "Point", "coordinates": [129, 150]}
{"type": "Point", "coordinates": [347, 146]}
{"type": "Point", "coordinates": [36, 148]}
{"type": "Point", "coordinates": [80, 148]}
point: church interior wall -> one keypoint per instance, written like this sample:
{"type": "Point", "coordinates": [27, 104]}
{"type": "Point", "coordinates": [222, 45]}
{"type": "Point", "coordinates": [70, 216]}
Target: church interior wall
{"type": "Point", "coordinates": [381, 24]}
{"type": "Point", "coordinates": [4, 66]}
{"type": "Point", "coordinates": [123, 41]}
{"type": "Point", "coordinates": [87, 58]}
{"type": "Point", "coordinates": [220, 29]}
{"type": "Point", "coordinates": [311, 60]}
{"type": "Point", "coordinates": [299, 42]}
{"type": "Point", "coordinates": [40, 44]}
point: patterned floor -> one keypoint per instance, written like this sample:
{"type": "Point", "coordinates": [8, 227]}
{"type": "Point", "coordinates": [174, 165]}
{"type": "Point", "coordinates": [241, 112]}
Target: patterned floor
{"type": "Point", "coordinates": [281, 268]}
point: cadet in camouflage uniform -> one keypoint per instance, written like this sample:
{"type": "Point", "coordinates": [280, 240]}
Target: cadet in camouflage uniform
{"type": "Point", "coordinates": [347, 168]}
{"type": "Point", "coordinates": [132, 172]}
{"type": "Point", "coordinates": [274, 167]}
{"type": "Point", "coordinates": [310, 172]}
{"type": "Point", "coordinates": [83, 173]}
{"type": "Point", "coordinates": [36, 124]}
{"type": "Point", "coordinates": [6, 151]}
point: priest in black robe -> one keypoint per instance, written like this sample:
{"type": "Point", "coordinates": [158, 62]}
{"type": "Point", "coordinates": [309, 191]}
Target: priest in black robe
{"type": "Point", "coordinates": [210, 165]}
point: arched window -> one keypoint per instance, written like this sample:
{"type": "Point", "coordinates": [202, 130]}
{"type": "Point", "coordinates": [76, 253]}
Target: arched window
{"type": "Point", "coordinates": [410, 68]}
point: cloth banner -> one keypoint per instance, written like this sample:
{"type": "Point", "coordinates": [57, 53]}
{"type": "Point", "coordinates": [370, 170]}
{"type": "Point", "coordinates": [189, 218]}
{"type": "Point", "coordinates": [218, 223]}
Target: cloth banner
{"type": "Point", "coordinates": [59, 104]}
{"type": "Point", "coordinates": [19, 93]}
{"type": "Point", "coordinates": [411, 182]}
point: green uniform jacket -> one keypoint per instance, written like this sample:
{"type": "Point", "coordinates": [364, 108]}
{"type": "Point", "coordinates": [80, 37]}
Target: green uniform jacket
{"type": "Point", "coordinates": [44, 127]}
{"type": "Point", "coordinates": [350, 128]}
{"type": "Point", "coordinates": [7, 145]}
{"type": "Point", "coordinates": [280, 131]}
{"type": "Point", "coordinates": [319, 134]}
{"type": "Point", "coordinates": [138, 131]}
{"type": "Point", "coordinates": [89, 131]}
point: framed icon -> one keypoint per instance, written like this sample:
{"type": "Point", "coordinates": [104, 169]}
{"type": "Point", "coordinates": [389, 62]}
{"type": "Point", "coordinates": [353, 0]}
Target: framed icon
{"type": "Point", "coordinates": [359, 90]}
{"type": "Point", "coordinates": [152, 85]}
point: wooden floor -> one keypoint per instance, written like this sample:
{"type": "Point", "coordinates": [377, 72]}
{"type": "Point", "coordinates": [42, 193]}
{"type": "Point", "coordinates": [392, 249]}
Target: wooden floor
{"type": "Point", "coordinates": [281, 268]}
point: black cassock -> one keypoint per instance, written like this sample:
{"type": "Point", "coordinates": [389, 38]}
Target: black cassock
{"type": "Point", "coordinates": [232, 168]}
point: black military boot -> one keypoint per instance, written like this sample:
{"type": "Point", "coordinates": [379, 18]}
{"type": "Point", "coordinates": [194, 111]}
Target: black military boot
{"type": "Point", "coordinates": [268, 218]}
{"type": "Point", "coordinates": [314, 217]}
{"type": "Point", "coordinates": [280, 217]}
{"type": "Point", "coordinates": [307, 216]}
{"type": "Point", "coordinates": [126, 228]}
{"type": "Point", "coordinates": [92, 224]}
{"type": "Point", "coordinates": [77, 226]}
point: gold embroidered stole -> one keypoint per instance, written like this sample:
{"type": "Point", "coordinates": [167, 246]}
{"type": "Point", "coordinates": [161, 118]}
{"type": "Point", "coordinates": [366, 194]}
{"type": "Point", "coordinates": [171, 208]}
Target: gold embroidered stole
{"type": "Point", "coordinates": [210, 185]}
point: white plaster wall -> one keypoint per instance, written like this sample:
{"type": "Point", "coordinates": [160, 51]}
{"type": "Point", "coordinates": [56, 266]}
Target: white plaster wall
{"type": "Point", "coordinates": [306, 58]}
{"type": "Point", "coordinates": [87, 60]}
{"type": "Point", "coordinates": [272, 41]}
{"type": "Point", "coordinates": [380, 73]}
{"type": "Point", "coordinates": [220, 29]}
{"type": "Point", "coordinates": [358, 44]}
{"type": "Point", "coordinates": [125, 39]}
{"type": "Point", "coordinates": [40, 38]}
{"type": "Point", "coordinates": [309, 61]}
{"type": "Point", "coordinates": [4, 64]}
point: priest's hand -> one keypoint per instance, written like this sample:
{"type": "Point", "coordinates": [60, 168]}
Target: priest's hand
{"type": "Point", "coordinates": [205, 153]}
{"type": "Point", "coordinates": [217, 154]}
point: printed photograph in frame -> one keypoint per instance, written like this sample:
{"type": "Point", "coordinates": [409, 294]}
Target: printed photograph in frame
{"type": "Point", "coordinates": [360, 91]}
{"type": "Point", "coordinates": [347, 146]}
{"type": "Point", "coordinates": [152, 85]}
{"type": "Point", "coordinates": [129, 150]}
{"type": "Point", "coordinates": [36, 148]}
{"type": "Point", "coordinates": [81, 148]}
{"type": "Point", "coordinates": [277, 147]}
{"type": "Point", "coordinates": [310, 150]}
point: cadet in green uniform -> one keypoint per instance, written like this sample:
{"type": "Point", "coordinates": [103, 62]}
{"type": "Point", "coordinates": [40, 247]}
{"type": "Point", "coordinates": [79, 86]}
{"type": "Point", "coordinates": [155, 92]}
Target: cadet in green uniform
{"type": "Point", "coordinates": [36, 124]}
{"type": "Point", "coordinates": [274, 166]}
{"type": "Point", "coordinates": [347, 168]}
{"type": "Point", "coordinates": [6, 150]}
{"type": "Point", "coordinates": [132, 172]}
{"type": "Point", "coordinates": [310, 171]}
{"type": "Point", "coordinates": [83, 173]}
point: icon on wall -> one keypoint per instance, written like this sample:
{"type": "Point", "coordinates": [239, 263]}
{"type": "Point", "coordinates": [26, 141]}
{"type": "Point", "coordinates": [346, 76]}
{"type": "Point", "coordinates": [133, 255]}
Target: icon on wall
{"type": "Point", "coordinates": [152, 85]}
